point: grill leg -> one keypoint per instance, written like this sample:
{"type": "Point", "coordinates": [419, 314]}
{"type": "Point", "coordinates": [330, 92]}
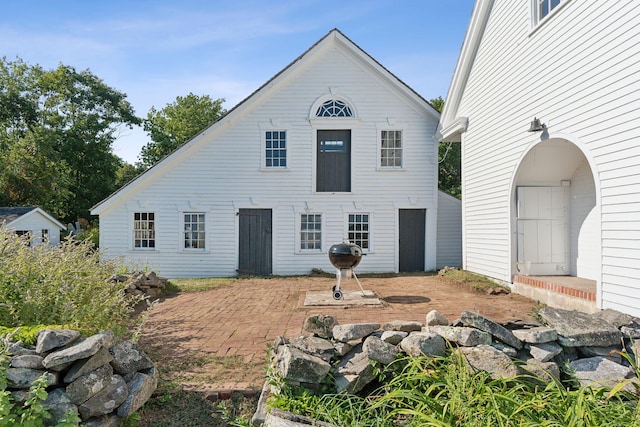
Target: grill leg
{"type": "Point", "coordinates": [337, 293]}
{"type": "Point", "coordinates": [359, 284]}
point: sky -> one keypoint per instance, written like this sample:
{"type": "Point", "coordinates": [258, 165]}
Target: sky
{"type": "Point", "coordinates": [157, 50]}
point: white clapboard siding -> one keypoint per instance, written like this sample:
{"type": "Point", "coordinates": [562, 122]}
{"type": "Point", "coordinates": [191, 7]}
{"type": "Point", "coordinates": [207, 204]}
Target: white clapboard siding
{"type": "Point", "coordinates": [579, 72]}
{"type": "Point", "coordinates": [449, 231]}
{"type": "Point", "coordinates": [221, 171]}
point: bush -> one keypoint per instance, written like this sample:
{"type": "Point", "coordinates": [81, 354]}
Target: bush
{"type": "Point", "coordinates": [66, 285]}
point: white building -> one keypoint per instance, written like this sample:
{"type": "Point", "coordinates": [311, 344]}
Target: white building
{"type": "Point", "coordinates": [32, 221]}
{"type": "Point", "coordinates": [563, 200]}
{"type": "Point", "coordinates": [333, 147]}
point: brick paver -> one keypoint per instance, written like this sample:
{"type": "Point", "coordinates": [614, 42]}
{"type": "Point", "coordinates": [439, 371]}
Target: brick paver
{"type": "Point", "coordinates": [243, 318]}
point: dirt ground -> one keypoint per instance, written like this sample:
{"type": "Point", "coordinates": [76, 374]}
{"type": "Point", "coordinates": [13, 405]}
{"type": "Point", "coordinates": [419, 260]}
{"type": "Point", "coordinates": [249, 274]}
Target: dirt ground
{"type": "Point", "coordinates": [217, 340]}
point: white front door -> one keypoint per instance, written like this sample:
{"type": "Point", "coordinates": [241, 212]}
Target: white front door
{"type": "Point", "coordinates": [543, 231]}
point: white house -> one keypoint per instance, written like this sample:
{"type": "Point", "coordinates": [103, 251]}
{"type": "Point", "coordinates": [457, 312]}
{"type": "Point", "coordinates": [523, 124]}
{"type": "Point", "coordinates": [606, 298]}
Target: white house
{"type": "Point", "coordinates": [32, 221]}
{"type": "Point", "coordinates": [562, 198]}
{"type": "Point", "coordinates": [333, 147]}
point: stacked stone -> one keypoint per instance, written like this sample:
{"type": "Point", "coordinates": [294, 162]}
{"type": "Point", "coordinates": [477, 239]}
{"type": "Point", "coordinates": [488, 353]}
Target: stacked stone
{"type": "Point", "coordinates": [587, 347]}
{"type": "Point", "coordinates": [98, 378]}
{"type": "Point", "coordinates": [147, 284]}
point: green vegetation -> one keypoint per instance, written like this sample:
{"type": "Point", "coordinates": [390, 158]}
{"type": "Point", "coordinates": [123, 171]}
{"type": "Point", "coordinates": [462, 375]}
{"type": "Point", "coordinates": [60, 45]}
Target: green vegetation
{"type": "Point", "coordinates": [66, 285]}
{"type": "Point", "coordinates": [197, 285]}
{"type": "Point", "coordinates": [472, 280]}
{"type": "Point", "coordinates": [443, 392]}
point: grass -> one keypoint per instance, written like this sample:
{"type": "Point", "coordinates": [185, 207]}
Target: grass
{"type": "Point", "coordinates": [176, 286]}
{"type": "Point", "coordinates": [443, 392]}
{"type": "Point", "coordinates": [472, 280]}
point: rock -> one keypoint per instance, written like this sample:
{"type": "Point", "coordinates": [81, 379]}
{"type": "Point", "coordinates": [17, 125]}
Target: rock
{"type": "Point", "coordinates": [49, 339]}
{"type": "Point", "coordinates": [58, 404]}
{"type": "Point", "coordinates": [378, 350]}
{"type": "Point", "coordinates": [90, 384]}
{"type": "Point", "coordinates": [577, 329]}
{"type": "Point", "coordinates": [614, 318]}
{"type": "Point", "coordinates": [393, 337]}
{"type": "Point", "coordinates": [489, 359]}
{"type": "Point", "coordinates": [320, 325]}
{"type": "Point", "coordinates": [82, 350]}
{"type": "Point", "coordinates": [354, 331]}
{"type": "Point", "coordinates": [428, 344]}
{"type": "Point", "coordinates": [498, 331]}
{"type": "Point", "coordinates": [278, 418]}
{"type": "Point", "coordinates": [140, 390]}
{"type": "Point", "coordinates": [402, 326]}
{"type": "Point", "coordinates": [542, 372]}
{"type": "Point", "coordinates": [630, 332]}
{"type": "Point", "coordinates": [23, 378]}
{"type": "Point", "coordinates": [30, 361]}
{"type": "Point", "coordinates": [342, 348]}
{"type": "Point", "coordinates": [538, 335]}
{"type": "Point", "coordinates": [435, 318]}
{"type": "Point", "coordinates": [18, 349]}
{"type": "Point", "coordinates": [544, 352]}
{"type": "Point", "coordinates": [296, 365]}
{"type": "Point", "coordinates": [467, 337]}
{"type": "Point", "coordinates": [353, 372]}
{"type": "Point", "coordinates": [107, 400]}
{"type": "Point", "coordinates": [612, 353]}
{"type": "Point", "coordinates": [509, 351]}
{"type": "Point", "coordinates": [81, 367]}
{"type": "Point", "coordinates": [315, 345]}
{"type": "Point", "coordinates": [103, 421]}
{"type": "Point", "coordinates": [600, 372]}
{"type": "Point", "coordinates": [128, 358]}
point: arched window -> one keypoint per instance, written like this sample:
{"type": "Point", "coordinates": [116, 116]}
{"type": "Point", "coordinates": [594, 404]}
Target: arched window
{"type": "Point", "coordinates": [334, 108]}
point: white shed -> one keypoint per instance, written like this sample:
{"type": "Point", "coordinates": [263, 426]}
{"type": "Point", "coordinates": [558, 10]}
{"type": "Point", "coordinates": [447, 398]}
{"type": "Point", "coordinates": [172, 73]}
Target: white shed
{"type": "Point", "coordinates": [32, 221]}
{"type": "Point", "coordinates": [545, 101]}
{"type": "Point", "coordinates": [333, 147]}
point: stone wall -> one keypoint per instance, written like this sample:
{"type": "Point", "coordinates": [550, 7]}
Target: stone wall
{"type": "Point", "coordinates": [563, 344]}
{"type": "Point", "coordinates": [142, 284]}
{"type": "Point", "coordinates": [100, 378]}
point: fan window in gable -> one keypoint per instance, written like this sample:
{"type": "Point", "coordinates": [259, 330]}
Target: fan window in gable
{"type": "Point", "coordinates": [334, 108]}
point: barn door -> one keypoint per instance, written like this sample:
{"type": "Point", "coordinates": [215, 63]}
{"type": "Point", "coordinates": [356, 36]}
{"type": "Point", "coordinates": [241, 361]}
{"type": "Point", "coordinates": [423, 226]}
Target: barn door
{"type": "Point", "coordinates": [411, 239]}
{"type": "Point", "coordinates": [254, 242]}
{"type": "Point", "coordinates": [333, 168]}
{"type": "Point", "coordinates": [542, 224]}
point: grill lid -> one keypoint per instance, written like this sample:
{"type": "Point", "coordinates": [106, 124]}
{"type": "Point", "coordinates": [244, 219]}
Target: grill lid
{"type": "Point", "coordinates": [345, 255]}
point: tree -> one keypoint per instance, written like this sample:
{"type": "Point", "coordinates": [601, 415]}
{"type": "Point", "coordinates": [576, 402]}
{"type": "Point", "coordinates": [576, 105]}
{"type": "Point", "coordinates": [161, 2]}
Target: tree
{"type": "Point", "coordinates": [57, 128]}
{"type": "Point", "coordinates": [449, 155]}
{"type": "Point", "coordinates": [177, 123]}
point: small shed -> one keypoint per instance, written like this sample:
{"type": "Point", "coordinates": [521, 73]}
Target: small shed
{"type": "Point", "coordinates": [33, 221]}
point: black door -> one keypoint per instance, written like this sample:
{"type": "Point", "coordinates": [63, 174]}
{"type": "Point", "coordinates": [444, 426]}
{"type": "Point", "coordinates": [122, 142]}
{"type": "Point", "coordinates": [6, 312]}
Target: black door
{"type": "Point", "coordinates": [412, 239]}
{"type": "Point", "coordinates": [255, 242]}
{"type": "Point", "coordinates": [333, 172]}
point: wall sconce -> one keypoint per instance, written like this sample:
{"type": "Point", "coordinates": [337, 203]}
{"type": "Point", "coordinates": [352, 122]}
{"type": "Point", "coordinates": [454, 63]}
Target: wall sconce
{"type": "Point", "coordinates": [536, 126]}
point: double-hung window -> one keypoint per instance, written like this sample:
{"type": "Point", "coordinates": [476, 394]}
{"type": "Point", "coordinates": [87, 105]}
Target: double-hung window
{"type": "Point", "coordinates": [194, 230]}
{"type": "Point", "coordinates": [310, 232]}
{"type": "Point", "coordinates": [391, 149]}
{"type": "Point", "coordinates": [359, 230]}
{"type": "Point", "coordinates": [144, 230]}
{"type": "Point", "coordinates": [275, 149]}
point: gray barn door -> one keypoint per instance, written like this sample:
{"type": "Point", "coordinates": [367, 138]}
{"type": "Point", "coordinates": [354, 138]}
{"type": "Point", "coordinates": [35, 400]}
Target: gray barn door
{"type": "Point", "coordinates": [333, 171]}
{"type": "Point", "coordinates": [255, 242]}
{"type": "Point", "coordinates": [412, 239]}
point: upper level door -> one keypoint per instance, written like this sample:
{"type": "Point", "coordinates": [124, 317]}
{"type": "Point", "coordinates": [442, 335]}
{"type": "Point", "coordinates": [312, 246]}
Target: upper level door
{"type": "Point", "coordinates": [333, 169]}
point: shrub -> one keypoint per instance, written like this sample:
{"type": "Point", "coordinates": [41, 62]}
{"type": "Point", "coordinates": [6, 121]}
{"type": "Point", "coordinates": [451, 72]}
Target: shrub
{"type": "Point", "coordinates": [65, 285]}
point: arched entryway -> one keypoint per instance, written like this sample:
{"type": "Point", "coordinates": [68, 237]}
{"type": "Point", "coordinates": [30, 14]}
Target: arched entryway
{"type": "Point", "coordinates": [555, 214]}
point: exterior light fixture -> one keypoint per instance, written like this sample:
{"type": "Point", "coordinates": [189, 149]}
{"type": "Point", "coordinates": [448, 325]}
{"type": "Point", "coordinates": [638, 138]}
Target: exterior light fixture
{"type": "Point", "coordinates": [536, 126]}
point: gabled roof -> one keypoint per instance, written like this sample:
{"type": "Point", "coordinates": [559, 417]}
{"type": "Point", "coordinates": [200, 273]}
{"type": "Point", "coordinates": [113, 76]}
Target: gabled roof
{"type": "Point", "coordinates": [451, 124]}
{"type": "Point", "coordinates": [334, 36]}
{"type": "Point", "coordinates": [11, 214]}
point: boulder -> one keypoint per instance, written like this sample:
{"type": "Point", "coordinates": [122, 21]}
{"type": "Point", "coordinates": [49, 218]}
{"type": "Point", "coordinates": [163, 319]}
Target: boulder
{"type": "Point", "coordinates": [296, 365]}
{"type": "Point", "coordinates": [141, 387]}
{"type": "Point", "coordinates": [107, 400]}
{"type": "Point", "coordinates": [546, 351]}
{"type": "Point", "coordinates": [498, 331]}
{"type": "Point", "coordinates": [49, 339]}
{"type": "Point", "coordinates": [58, 404]}
{"type": "Point", "coordinates": [353, 372]}
{"type": "Point", "coordinates": [31, 361]}
{"type": "Point", "coordinates": [577, 329]}
{"type": "Point", "coordinates": [378, 350]}
{"type": "Point", "coordinates": [402, 326]}
{"type": "Point", "coordinates": [541, 372]}
{"type": "Point", "coordinates": [315, 345]}
{"type": "Point", "coordinates": [128, 358]}
{"type": "Point", "coordinates": [354, 331]}
{"type": "Point", "coordinates": [489, 359]}
{"type": "Point", "coordinates": [600, 372]}
{"type": "Point", "coordinates": [467, 337]}
{"type": "Point", "coordinates": [435, 318]}
{"type": "Point", "coordinates": [90, 384]}
{"type": "Point", "coordinates": [83, 366]}
{"type": "Point", "coordinates": [82, 350]}
{"type": "Point", "coordinates": [428, 344]}
{"type": "Point", "coordinates": [537, 335]}
{"type": "Point", "coordinates": [23, 378]}
{"type": "Point", "coordinates": [320, 325]}
{"type": "Point", "coordinates": [393, 337]}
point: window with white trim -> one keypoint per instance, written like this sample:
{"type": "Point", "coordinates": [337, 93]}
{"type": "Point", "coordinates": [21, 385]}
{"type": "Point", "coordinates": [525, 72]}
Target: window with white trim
{"type": "Point", "coordinates": [358, 230]}
{"type": "Point", "coordinates": [310, 232]}
{"type": "Point", "coordinates": [144, 230]}
{"type": "Point", "coordinates": [334, 108]}
{"type": "Point", "coordinates": [194, 230]}
{"type": "Point", "coordinates": [391, 149]}
{"type": "Point", "coordinates": [275, 149]}
{"type": "Point", "coordinates": [542, 8]}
